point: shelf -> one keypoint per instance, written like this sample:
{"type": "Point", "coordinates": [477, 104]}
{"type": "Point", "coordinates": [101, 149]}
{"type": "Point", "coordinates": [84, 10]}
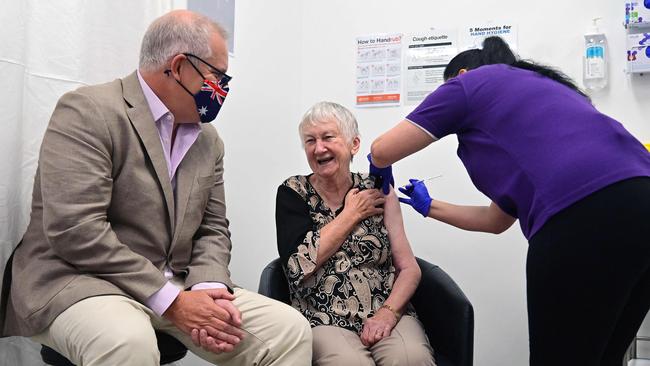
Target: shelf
{"type": "Point", "coordinates": [642, 25]}
{"type": "Point", "coordinates": [640, 69]}
{"type": "Point", "coordinates": [640, 72]}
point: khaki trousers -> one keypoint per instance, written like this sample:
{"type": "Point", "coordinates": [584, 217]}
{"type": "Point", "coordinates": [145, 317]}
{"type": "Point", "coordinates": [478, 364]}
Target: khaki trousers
{"type": "Point", "coordinates": [116, 330]}
{"type": "Point", "coordinates": [407, 345]}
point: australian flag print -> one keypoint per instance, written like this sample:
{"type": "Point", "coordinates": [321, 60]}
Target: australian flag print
{"type": "Point", "coordinates": [210, 99]}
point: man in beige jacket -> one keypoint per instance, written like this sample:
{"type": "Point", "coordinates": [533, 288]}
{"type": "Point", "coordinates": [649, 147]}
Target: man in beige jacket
{"type": "Point", "coordinates": [128, 231]}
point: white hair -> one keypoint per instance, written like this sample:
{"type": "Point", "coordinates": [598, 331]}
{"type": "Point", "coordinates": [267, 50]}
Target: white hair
{"type": "Point", "coordinates": [327, 111]}
{"type": "Point", "coordinates": [171, 34]}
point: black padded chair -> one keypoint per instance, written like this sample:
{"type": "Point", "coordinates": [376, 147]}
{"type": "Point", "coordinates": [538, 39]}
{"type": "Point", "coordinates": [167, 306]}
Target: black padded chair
{"type": "Point", "coordinates": [442, 307]}
{"type": "Point", "coordinates": [170, 348]}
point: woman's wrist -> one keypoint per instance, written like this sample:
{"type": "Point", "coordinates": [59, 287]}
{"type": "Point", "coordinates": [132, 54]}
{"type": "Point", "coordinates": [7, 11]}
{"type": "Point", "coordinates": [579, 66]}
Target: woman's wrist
{"type": "Point", "coordinates": [394, 311]}
{"type": "Point", "coordinates": [350, 217]}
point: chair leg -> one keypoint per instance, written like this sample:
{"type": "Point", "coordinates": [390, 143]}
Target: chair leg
{"type": "Point", "coordinates": [630, 354]}
{"type": "Point", "coordinates": [627, 355]}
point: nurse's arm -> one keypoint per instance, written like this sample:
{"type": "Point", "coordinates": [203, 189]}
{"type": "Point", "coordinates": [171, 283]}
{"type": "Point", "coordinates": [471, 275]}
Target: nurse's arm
{"type": "Point", "coordinates": [399, 142]}
{"type": "Point", "coordinates": [489, 219]}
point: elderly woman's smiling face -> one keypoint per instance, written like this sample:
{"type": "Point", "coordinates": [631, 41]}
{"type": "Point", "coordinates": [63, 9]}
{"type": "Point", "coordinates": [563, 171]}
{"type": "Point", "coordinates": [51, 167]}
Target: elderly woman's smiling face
{"type": "Point", "coordinates": [328, 151]}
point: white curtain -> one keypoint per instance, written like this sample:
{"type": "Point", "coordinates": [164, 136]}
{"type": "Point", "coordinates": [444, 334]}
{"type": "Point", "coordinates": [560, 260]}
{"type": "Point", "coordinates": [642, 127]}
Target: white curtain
{"type": "Point", "coordinates": [46, 49]}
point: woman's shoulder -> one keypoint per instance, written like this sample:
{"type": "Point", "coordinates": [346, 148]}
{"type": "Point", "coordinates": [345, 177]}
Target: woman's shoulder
{"type": "Point", "coordinates": [297, 183]}
{"type": "Point", "coordinates": [364, 180]}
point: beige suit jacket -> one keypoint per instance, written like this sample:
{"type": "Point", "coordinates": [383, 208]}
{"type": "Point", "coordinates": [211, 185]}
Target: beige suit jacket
{"type": "Point", "coordinates": [104, 217]}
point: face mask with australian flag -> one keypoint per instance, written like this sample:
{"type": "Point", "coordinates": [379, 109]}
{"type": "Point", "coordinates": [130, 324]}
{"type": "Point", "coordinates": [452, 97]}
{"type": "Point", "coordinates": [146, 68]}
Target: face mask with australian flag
{"type": "Point", "coordinates": [209, 99]}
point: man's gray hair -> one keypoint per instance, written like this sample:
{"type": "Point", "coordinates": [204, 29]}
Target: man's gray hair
{"type": "Point", "coordinates": [327, 111]}
{"type": "Point", "coordinates": [173, 34]}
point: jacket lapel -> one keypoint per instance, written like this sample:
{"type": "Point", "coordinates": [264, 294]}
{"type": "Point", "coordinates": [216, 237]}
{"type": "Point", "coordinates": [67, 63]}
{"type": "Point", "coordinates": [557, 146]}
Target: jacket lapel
{"type": "Point", "coordinates": [141, 119]}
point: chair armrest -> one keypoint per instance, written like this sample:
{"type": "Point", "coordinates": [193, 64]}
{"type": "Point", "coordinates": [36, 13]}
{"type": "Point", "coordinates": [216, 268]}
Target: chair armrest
{"type": "Point", "coordinates": [446, 314]}
{"type": "Point", "coordinates": [273, 282]}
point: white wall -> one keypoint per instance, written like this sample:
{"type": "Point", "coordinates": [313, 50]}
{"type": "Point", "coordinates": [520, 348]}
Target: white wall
{"type": "Point", "coordinates": [292, 54]}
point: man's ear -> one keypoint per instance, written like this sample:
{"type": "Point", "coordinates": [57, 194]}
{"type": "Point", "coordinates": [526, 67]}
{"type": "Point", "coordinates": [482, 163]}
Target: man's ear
{"type": "Point", "coordinates": [175, 65]}
{"type": "Point", "coordinates": [462, 71]}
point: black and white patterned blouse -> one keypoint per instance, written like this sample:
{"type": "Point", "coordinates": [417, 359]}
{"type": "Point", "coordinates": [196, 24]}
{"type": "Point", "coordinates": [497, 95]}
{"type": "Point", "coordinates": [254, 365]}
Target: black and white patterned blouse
{"type": "Point", "coordinates": [355, 281]}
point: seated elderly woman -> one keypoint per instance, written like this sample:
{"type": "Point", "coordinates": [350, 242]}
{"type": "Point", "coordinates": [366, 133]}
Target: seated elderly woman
{"type": "Point", "coordinates": [350, 268]}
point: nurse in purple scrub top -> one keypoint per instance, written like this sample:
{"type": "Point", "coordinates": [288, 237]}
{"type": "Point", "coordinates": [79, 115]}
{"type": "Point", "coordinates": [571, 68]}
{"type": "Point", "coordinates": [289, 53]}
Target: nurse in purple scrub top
{"type": "Point", "coordinates": [576, 180]}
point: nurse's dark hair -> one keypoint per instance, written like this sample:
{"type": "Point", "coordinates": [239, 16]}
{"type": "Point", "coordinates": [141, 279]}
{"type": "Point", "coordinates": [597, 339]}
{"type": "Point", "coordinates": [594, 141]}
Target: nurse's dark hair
{"type": "Point", "coordinates": [496, 51]}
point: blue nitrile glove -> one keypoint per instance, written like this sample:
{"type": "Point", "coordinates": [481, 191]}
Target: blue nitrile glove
{"type": "Point", "coordinates": [386, 175]}
{"type": "Point", "coordinates": [419, 197]}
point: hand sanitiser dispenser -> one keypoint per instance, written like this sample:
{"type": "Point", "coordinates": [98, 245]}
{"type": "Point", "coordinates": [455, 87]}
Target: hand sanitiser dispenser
{"type": "Point", "coordinates": [595, 59]}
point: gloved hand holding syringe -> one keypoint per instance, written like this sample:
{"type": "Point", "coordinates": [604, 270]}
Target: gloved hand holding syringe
{"type": "Point", "coordinates": [418, 195]}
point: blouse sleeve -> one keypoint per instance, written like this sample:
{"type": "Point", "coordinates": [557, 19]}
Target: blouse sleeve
{"type": "Point", "coordinates": [297, 240]}
{"type": "Point", "coordinates": [443, 111]}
